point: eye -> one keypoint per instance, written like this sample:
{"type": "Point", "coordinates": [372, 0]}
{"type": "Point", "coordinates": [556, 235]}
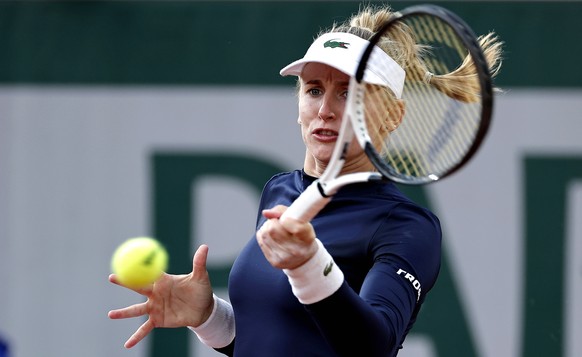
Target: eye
{"type": "Point", "coordinates": [314, 91]}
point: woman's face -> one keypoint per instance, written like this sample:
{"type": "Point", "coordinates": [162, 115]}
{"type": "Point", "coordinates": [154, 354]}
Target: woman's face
{"type": "Point", "coordinates": [322, 97]}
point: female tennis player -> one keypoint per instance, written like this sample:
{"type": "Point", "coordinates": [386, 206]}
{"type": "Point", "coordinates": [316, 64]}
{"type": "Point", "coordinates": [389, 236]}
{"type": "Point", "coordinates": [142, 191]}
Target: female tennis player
{"type": "Point", "coordinates": [353, 278]}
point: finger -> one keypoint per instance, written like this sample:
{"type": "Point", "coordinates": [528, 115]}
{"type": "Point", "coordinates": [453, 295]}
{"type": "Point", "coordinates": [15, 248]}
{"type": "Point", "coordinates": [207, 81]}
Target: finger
{"type": "Point", "coordinates": [264, 242]}
{"type": "Point", "coordinates": [113, 279]}
{"type": "Point", "coordinates": [128, 312]}
{"type": "Point", "coordinates": [261, 236]}
{"type": "Point", "coordinates": [274, 212]}
{"type": "Point", "coordinates": [143, 291]}
{"type": "Point", "coordinates": [295, 227]}
{"type": "Point", "coordinates": [199, 262]}
{"type": "Point", "coordinates": [270, 214]}
{"type": "Point", "coordinates": [280, 208]}
{"type": "Point", "coordinates": [140, 334]}
{"type": "Point", "coordinates": [267, 235]}
{"type": "Point", "coordinates": [290, 225]}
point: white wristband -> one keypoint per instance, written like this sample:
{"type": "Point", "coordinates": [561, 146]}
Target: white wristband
{"type": "Point", "coordinates": [317, 279]}
{"type": "Point", "coordinates": [219, 330]}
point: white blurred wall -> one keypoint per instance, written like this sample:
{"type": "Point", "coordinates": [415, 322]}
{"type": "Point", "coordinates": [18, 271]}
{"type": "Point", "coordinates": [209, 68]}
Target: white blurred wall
{"type": "Point", "coordinates": [74, 183]}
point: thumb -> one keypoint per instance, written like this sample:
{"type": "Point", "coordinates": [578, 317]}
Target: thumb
{"type": "Point", "coordinates": [275, 212]}
{"type": "Point", "coordinates": [199, 262]}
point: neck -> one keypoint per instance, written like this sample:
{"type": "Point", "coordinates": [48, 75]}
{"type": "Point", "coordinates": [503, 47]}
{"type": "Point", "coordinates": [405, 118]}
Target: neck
{"type": "Point", "coordinates": [316, 168]}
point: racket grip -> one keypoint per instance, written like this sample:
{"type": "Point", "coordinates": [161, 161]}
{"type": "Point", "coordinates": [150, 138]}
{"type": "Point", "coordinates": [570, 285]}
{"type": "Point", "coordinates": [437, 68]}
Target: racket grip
{"type": "Point", "coordinates": [308, 204]}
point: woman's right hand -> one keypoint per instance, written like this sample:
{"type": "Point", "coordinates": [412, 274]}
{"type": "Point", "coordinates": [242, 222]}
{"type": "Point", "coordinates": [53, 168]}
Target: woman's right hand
{"type": "Point", "coordinates": [172, 301]}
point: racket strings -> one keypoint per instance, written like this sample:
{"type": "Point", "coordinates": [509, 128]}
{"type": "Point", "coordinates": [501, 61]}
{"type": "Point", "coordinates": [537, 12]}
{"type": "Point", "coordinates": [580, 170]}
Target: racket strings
{"type": "Point", "coordinates": [439, 124]}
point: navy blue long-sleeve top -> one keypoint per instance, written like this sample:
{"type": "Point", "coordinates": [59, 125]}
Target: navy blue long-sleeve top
{"type": "Point", "coordinates": [388, 248]}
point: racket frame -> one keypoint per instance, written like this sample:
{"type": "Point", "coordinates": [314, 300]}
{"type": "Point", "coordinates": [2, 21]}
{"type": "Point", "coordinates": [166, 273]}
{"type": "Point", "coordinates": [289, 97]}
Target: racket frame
{"type": "Point", "coordinates": [469, 40]}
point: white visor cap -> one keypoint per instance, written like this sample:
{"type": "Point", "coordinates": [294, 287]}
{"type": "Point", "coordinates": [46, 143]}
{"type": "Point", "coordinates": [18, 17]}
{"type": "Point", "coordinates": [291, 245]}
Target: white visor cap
{"type": "Point", "coordinates": [343, 51]}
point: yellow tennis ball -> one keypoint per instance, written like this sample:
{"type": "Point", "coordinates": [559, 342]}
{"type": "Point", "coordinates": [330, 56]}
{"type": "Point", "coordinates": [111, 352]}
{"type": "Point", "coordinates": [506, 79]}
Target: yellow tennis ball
{"type": "Point", "coordinates": [139, 262]}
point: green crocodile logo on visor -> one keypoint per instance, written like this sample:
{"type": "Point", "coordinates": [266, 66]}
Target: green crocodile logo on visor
{"type": "Point", "coordinates": [335, 44]}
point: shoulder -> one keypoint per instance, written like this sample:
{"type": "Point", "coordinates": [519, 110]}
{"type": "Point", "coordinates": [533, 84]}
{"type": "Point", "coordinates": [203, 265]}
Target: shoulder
{"type": "Point", "coordinates": [286, 177]}
{"type": "Point", "coordinates": [404, 220]}
{"type": "Point", "coordinates": [415, 215]}
{"type": "Point", "coordinates": [284, 184]}
{"type": "Point", "coordinates": [390, 203]}
{"type": "Point", "coordinates": [281, 189]}
{"type": "Point", "coordinates": [404, 209]}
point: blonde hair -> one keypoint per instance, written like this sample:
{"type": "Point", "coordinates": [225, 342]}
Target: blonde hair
{"type": "Point", "coordinates": [461, 84]}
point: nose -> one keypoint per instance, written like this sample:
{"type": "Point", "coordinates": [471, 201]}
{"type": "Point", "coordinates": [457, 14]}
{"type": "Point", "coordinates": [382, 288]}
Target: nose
{"type": "Point", "coordinates": [327, 109]}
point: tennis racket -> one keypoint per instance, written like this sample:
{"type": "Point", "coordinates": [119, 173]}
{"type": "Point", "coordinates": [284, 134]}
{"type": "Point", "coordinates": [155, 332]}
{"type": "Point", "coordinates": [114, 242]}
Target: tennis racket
{"type": "Point", "coordinates": [438, 124]}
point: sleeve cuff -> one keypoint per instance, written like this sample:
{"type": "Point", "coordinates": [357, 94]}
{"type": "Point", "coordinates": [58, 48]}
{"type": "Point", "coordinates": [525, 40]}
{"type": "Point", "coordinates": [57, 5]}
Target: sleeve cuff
{"type": "Point", "coordinates": [219, 330]}
{"type": "Point", "coordinates": [317, 279]}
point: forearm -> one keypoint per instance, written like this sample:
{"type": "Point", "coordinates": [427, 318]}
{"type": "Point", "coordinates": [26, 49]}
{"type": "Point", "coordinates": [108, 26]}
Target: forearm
{"type": "Point", "coordinates": [345, 321]}
{"type": "Point", "coordinates": [319, 285]}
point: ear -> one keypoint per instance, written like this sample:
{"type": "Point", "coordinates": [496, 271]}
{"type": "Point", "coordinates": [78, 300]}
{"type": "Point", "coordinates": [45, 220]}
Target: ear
{"type": "Point", "coordinates": [397, 115]}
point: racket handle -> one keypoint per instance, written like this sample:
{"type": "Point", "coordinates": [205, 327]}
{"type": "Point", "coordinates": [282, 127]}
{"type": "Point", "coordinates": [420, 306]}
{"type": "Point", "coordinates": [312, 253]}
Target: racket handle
{"type": "Point", "coordinates": [308, 204]}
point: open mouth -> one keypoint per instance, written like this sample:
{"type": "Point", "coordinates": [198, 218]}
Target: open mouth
{"type": "Point", "coordinates": [325, 135]}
